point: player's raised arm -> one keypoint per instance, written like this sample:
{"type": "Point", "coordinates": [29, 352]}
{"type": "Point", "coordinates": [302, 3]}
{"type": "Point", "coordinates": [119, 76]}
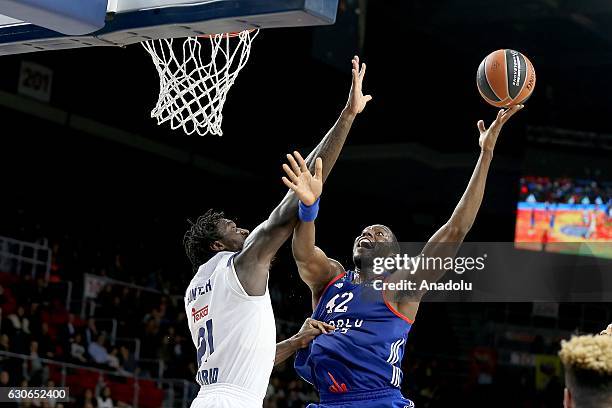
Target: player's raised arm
{"type": "Point", "coordinates": [446, 241]}
{"type": "Point", "coordinates": [253, 262]}
{"type": "Point", "coordinates": [314, 267]}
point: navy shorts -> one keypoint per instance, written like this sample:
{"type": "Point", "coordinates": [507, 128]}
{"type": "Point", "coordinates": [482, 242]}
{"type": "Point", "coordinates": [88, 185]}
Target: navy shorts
{"type": "Point", "coordinates": [370, 399]}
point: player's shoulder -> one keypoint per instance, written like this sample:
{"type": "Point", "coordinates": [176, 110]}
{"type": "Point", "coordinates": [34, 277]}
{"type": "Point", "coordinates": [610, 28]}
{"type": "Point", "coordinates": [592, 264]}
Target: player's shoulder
{"type": "Point", "coordinates": [206, 270]}
{"type": "Point", "coordinates": [336, 272]}
{"type": "Point", "coordinates": [336, 267]}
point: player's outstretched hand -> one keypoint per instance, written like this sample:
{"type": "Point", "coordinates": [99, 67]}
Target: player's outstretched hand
{"type": "Point", "coordinates": [608, 331]}
{"type": "Point", "coordinates": [307, 187]}
{"type": "Point", "coordinates": [488, 137]}
{"type": "Point", "coordinates": [309, 330]}
{"type": "Point", "coordinates": [357, 101]}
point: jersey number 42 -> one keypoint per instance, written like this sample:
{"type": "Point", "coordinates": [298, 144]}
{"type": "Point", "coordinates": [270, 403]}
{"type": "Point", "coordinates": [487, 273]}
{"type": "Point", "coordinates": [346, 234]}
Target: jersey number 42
{"type": "Point", "coordinates": [341, 307]}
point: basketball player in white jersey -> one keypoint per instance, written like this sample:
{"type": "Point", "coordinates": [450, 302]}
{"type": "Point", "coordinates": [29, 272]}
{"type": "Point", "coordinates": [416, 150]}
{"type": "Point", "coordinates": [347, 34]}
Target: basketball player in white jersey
{"type": "Point", "coordinates": [227, 301]}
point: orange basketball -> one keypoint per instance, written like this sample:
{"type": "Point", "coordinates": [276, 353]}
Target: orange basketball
{"type": "Point", "coordinates": [505, 78]}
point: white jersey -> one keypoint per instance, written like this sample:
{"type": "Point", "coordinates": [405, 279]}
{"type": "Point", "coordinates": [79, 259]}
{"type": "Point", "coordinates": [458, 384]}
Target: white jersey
{"type": "Point", "coordinates": [234, 335]}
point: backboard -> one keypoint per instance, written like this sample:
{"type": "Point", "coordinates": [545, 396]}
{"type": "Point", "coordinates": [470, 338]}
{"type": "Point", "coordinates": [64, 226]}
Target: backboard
{"type": "Point", "coordinates": [41, 25]}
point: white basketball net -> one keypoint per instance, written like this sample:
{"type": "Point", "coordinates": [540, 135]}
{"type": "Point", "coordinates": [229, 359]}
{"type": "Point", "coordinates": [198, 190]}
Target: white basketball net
{"type": "Point", "coordinates": [193, 86]}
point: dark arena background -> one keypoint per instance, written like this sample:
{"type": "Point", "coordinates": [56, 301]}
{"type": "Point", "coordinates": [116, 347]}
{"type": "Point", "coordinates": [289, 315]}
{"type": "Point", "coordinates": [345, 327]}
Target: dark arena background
{"type": "Point", "coordinates": [98, 196]}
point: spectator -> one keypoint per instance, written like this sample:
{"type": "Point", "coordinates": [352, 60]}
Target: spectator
{"type": "Point", "coordinates": [104, 301]}
{"type": "Point", "coordinates": [77, 350]}
{"type": "Point", "coordinates": [5, 381]}
{"type": "Point", "coordinates": [13, 366]}
{"type": "Point", "coordinates": [104, 399]}
{"type": "Point", "coordinates": [128, 363]}
{"type": "Point", "coordinates": [4, 343]}
{"type": "Point", "coordinates": [45, 342]}
{"type": "Point", "coordinates": [151, 342]}
{"type": "Point", "coordinates": [34, 316]}
{"type": "Point", "coordinates": [88, 400]}
{"type": "Point", "coordinates": [91, 332]}
{"type": "Point", "coordinates": [52, 402]}
{"type": "Point", "coordinates": [7, 301]}
{"type": "Point", "coordinates": [19, 322]}
{"type": "Point", "coordinates": [97, 351]}
{"type": "Point", "coordinates": [67, 331]}
{"type": "Point", "coordinates": [34, 369]}
{"type": "Point", "coordinates": [113, 359]}
{"type": "Point", "coordinates": [40, 292]}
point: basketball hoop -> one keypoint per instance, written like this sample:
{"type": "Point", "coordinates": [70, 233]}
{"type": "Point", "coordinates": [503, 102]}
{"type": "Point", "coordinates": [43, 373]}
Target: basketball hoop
{"type": "Point", "coordinates": [193, 86]}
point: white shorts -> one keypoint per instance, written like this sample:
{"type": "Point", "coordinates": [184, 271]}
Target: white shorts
{"type": "Point", "coordinates": [225, 396]}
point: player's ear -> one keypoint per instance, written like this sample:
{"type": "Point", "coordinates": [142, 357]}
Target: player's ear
{"type": "Point", "coordinates": [567, 399]}
{"type": "Point", "coordinates": [217, 246]}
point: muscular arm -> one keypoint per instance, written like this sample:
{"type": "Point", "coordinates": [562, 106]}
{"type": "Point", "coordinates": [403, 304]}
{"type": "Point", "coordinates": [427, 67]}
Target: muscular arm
{"type": "Point", "coordinates": [314, 267]}
{"type": "Point", "coordinates": [284, 350]}
{"type": "Point", "coordinates": [447, 240]}
{"type": "Point", "coordinates": [253, 262]}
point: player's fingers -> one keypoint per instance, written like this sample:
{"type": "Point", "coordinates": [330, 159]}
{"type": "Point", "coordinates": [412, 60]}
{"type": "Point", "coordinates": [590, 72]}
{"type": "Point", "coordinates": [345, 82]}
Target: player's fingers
{"type": "Point", "coordinates": [294, 165]}
{"type": "Point", "coordinates": [292, 176]}
{"type": "Point", "coordinates": [500, 114]}
{"type": "Point", "coordinates": [362, 71]}
{"type": "Point", "coordinates": [481, 126]}
{"type": "Point", "coordinates": [319, 325]}
{"type": "Point", "coordinates": [511, 111]}
{"type": "Point", "coordinates": [368, 98]}
{"type": "Point", "coordinates": [319, 168]}
{"type": "Point", "coordinates": [314, 331]}
{"type": "Point", "coordinates": [308, 323]}
{"type": "Point", "coordinates": [328, 326]}
{"type": "Point", "coordinates": [289, 184]}
{"type": "Point", "coordinates": [301, 161]}
{"type": "Point", "coordinates": [355, 70]}
{"type": "Point", "coordinates": [311, 334]}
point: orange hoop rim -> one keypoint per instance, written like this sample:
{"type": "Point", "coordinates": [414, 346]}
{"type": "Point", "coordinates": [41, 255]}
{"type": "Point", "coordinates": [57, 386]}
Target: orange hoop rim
{"type": "Point", "coordinates": [227, 35]}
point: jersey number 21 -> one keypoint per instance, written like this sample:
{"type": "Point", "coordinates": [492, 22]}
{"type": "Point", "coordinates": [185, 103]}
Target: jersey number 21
{"type": "Point", "coordinates": [203, 340]}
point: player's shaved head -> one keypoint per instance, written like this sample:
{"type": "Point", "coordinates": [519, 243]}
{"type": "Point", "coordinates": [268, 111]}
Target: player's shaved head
{"type": "Point", "coordinates": [588, 371]}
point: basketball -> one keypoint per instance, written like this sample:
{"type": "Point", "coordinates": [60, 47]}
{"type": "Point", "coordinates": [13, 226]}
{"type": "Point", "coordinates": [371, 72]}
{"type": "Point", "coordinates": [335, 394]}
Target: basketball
{"type": "Point", "coordinates": [505, 78]}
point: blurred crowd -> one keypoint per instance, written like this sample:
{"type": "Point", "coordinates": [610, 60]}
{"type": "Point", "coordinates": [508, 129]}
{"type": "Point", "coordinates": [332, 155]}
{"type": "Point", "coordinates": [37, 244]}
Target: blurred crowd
{"type": "Point", "coordinates": [565, 190]}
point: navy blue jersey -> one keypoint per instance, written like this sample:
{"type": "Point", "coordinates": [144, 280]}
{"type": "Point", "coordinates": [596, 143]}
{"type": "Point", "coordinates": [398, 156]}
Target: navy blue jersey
{"type": "Point", "coordinates": [364, 353]}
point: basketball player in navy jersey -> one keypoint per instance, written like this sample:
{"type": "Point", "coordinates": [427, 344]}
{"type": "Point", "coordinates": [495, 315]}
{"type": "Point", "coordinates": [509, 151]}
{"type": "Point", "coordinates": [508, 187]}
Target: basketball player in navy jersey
{"type": "Point", "coordinates": [359, 364]}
